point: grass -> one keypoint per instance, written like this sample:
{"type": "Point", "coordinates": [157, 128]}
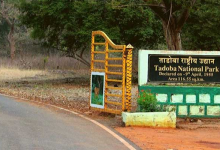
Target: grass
{"type": "Point", "coordinates": [37, 62]}
{"type": "Point", "coordinates": [30, 66]}
{"type": "Point", "coordinates": [97, 100]}
{"type": "Point", "coordinates": [7, 74]}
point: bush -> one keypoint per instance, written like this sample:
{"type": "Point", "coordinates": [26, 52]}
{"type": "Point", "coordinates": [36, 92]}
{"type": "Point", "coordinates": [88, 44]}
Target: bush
{"type": "Point", "coordinates": [147, 102]}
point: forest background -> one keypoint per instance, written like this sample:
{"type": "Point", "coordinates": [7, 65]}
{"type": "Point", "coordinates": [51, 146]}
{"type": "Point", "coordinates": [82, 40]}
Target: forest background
{"type": "Point", "coordinates": [35, 34]}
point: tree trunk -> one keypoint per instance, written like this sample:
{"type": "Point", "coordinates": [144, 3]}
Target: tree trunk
{"type": "Point", "coordinates": [173, 17]}
{"type": "Point", "coordinates": [172, 36]}
{"type": "Point", "coordinates": [11, 41]}
{"type": "Point", "coordinates": [10, 21]}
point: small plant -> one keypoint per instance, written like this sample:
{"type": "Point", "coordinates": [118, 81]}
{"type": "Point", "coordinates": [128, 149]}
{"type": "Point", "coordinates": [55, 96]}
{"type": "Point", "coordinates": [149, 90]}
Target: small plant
{"type": "Point", "coordinates": [147, 102]}
{"type": "Point", "coordinates": [45, 62]}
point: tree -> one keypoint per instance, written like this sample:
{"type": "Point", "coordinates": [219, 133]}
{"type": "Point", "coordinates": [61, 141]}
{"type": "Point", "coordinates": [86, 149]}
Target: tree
{"type": "Point", "coordinates": [67, 25]}
{"type": "Point", "coordinates": [8, 12]}
{"type": "Point", "coordinates": [4, 30]}
{"type": "Point", "coordinates": [173, 14]}
{"type": "Point", "coordinates": [202, 28]}
{"type": "Point", "coordinates": [199, 30]}
{"type": "Point", "coordinates": [138, 25]}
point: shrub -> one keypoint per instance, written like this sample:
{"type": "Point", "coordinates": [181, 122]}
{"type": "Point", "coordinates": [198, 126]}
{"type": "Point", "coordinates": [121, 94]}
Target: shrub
{"type": "Point", "coordinates": [147, 102]}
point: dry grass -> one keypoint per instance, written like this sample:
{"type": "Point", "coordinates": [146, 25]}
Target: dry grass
{"type": "Point", "coordinates": [40, 67]}
{"type": "Point", "coordinates": [41, 62]}
{"type": "Point", "coordinates": [7, 74]}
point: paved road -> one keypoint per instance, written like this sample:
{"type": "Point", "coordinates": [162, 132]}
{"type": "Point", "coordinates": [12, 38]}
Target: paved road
{"type": "Point", "coordinates": [26, 126]}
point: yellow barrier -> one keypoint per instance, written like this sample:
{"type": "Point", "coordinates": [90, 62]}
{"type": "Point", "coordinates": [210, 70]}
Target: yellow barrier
{"type": "Point", "coordinates": [125, 73]}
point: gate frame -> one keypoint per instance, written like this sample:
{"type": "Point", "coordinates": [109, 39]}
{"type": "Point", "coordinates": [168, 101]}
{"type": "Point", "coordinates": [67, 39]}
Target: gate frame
{"type": "Point", "coordinates": [126, 72]}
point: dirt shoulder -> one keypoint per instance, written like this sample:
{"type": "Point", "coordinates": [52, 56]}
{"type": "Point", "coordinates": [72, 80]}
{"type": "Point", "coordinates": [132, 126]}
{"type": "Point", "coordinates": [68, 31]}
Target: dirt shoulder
{"type": "Point", "coordinates": [67, 89]}
{"type": "Point", "coordinates": [199, 135]}
{"type": "Point", "coordinates": [70, 90]}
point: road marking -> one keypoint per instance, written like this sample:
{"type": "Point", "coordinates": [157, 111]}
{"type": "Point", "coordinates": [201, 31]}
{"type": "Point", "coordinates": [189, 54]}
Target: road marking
{"type": "Point", "coordinates": [129, 146]}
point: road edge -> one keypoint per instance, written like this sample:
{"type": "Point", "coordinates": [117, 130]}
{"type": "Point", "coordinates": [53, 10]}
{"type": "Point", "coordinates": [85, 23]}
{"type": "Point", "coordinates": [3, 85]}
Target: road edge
{"type": "Point", "coordinates": [123, 141]}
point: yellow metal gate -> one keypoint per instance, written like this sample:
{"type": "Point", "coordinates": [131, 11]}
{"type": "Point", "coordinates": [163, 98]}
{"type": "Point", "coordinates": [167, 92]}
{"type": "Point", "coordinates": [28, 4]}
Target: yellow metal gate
{"type": "Point", "coordinates": [111, 59]}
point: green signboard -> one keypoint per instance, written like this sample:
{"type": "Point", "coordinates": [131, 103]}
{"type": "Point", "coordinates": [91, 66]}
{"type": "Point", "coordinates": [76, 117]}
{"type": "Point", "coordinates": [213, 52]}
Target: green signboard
{"type": "Point", "coordinates": [178, 79]}
{"type": "Point", "coordinates": [97, 89]}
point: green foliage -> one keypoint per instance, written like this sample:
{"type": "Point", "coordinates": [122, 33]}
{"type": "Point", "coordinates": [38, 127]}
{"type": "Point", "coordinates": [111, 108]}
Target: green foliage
{"type": "Point", "coordinates": [67, 25]}
{"type": "Point", "coordinates": [45, 60]}
{"type": "Point", "coordinates": [202, 28]}
{"type": "Point", "coordinates": [97, 99]}
{"type": "Point", "coordinates": [4, 30]}
{"type": "Point", "coordinates": [147, 102]}
{"type": "Point", "coordinates": [138, 24]}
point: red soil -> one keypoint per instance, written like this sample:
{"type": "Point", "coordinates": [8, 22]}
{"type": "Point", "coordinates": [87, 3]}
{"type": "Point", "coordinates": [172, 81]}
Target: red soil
{"type": "Point", "coordinates": [205, 137]}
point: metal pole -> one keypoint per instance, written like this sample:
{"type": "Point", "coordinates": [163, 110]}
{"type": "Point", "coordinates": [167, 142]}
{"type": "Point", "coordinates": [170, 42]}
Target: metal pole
{"type": "Point", "coordinates": [129, 49]}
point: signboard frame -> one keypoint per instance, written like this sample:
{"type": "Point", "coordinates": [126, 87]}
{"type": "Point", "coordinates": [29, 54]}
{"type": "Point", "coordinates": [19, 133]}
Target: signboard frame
{"type": "Point", "coordinates": [93, 91]}
{"type": "Point", "coordinates": [167, 68]}
{"type": "Point", "coordinates": [143, 60]}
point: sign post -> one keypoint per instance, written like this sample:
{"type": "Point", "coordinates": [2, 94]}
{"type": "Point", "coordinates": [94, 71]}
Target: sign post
{"type": "Point", "coordinates": [129, 49]}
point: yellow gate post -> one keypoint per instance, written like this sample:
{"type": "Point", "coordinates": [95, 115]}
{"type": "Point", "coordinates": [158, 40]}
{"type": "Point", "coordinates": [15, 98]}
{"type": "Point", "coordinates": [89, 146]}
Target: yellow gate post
{"type": "Point", "coordinates": [129, 49]}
